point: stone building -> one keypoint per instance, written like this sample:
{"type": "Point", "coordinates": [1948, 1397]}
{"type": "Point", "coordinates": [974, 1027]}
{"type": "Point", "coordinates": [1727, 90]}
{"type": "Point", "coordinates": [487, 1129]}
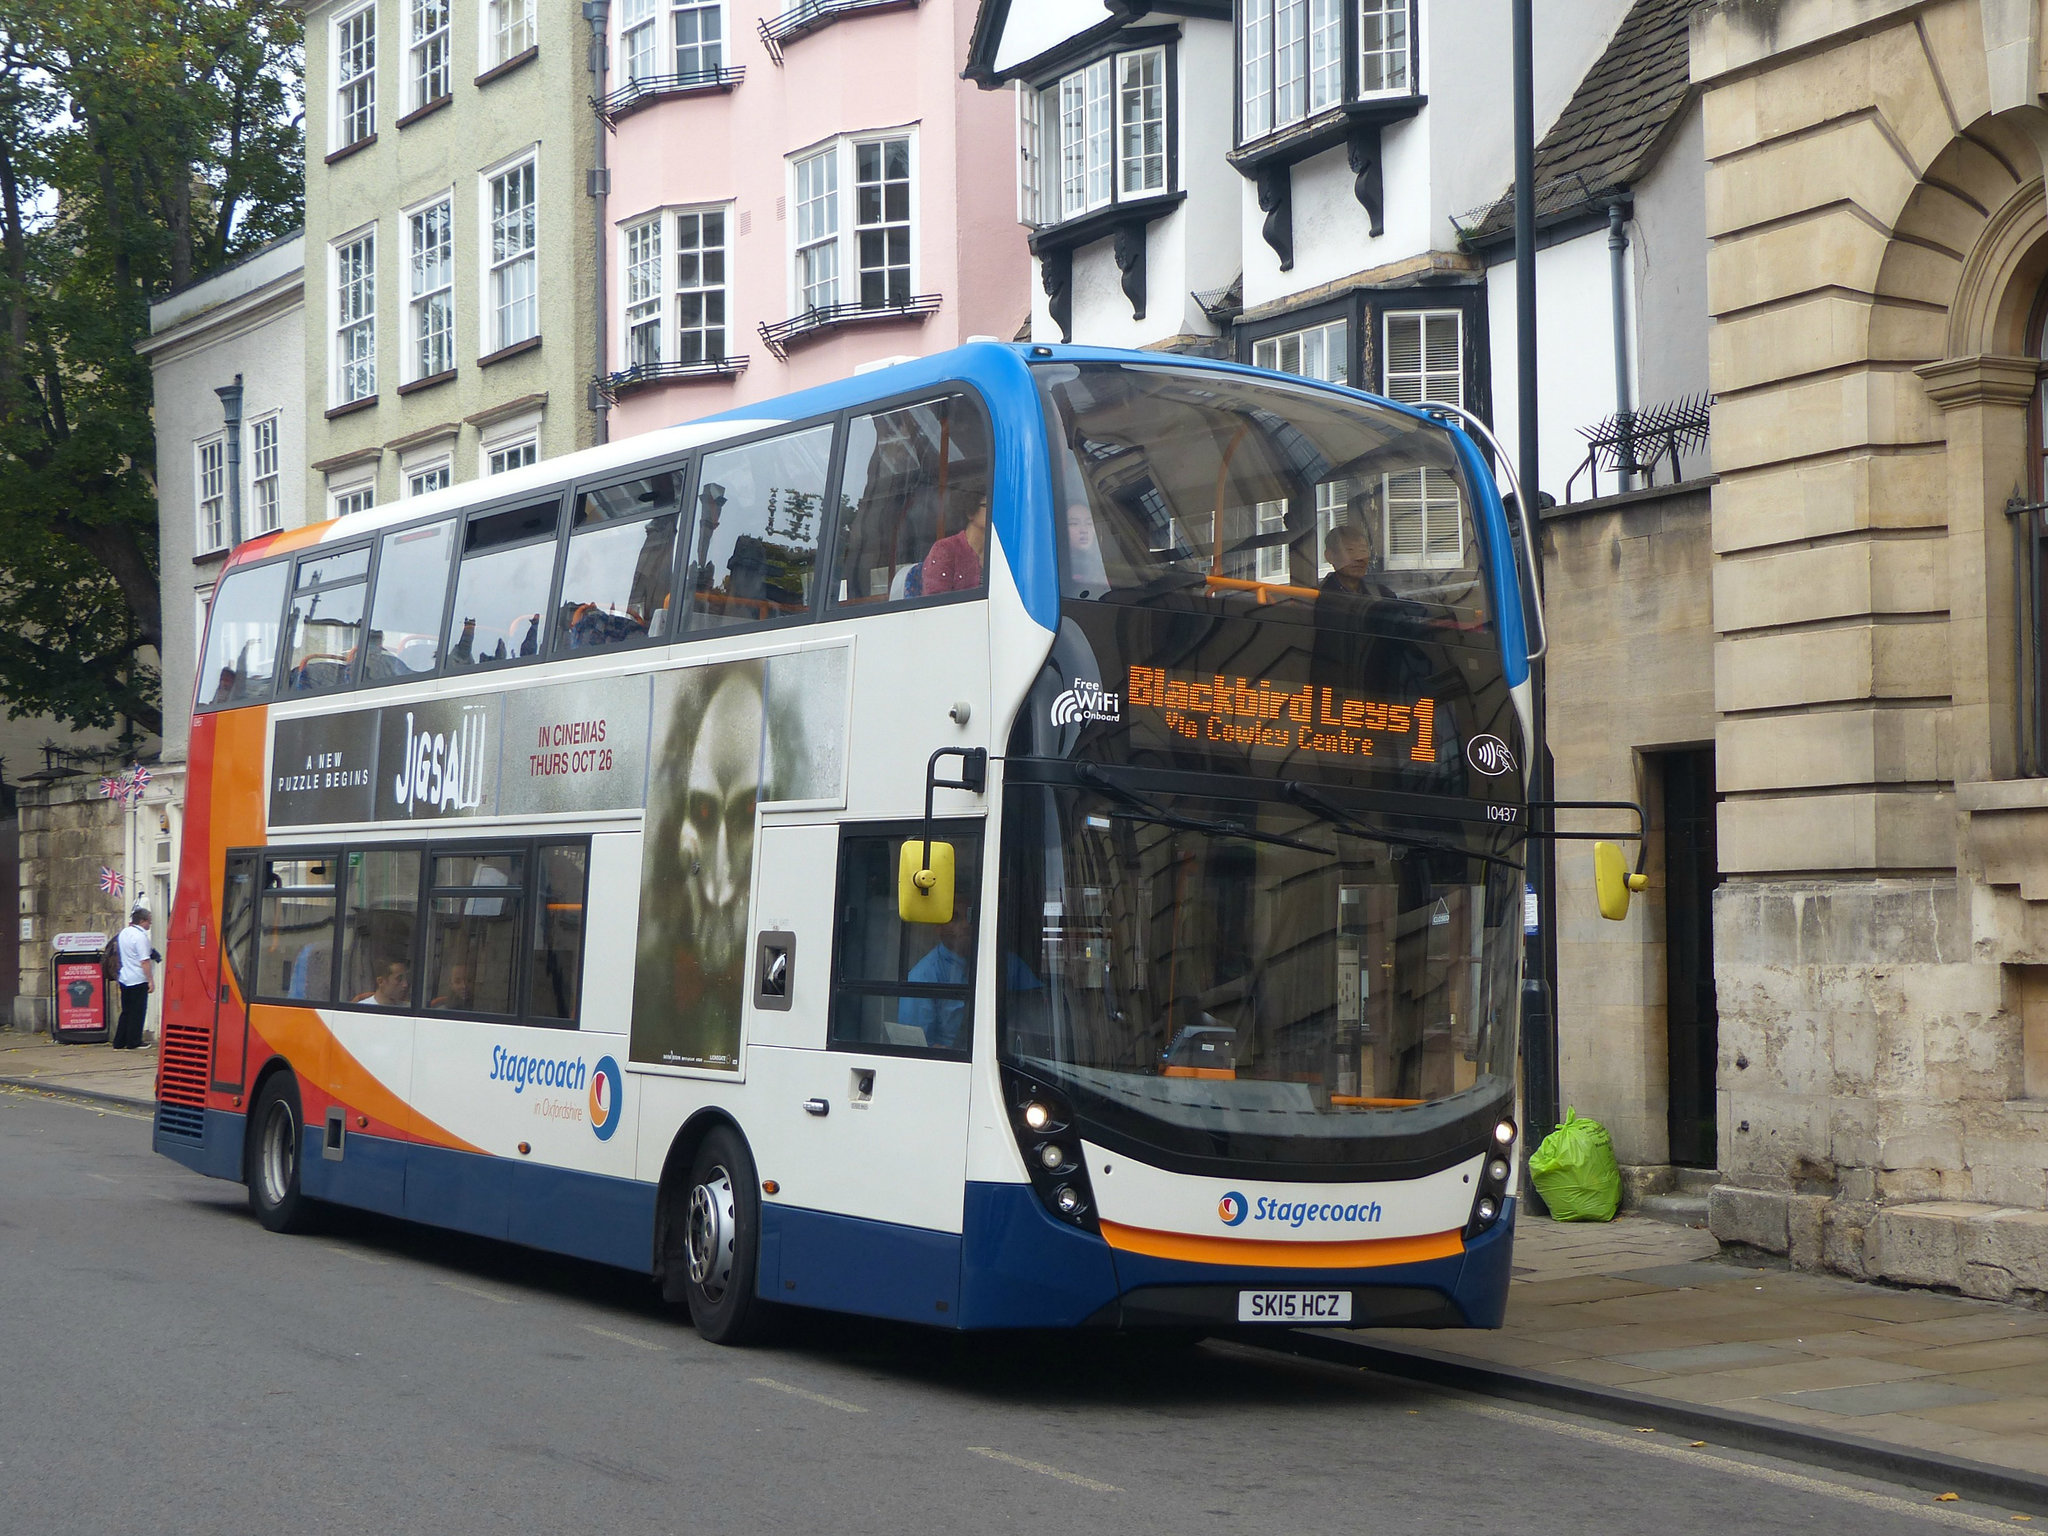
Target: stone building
{"type": "Point", "coordinates": [1879, 249]}
{"type": "Point", "coordinates": [69, 833]}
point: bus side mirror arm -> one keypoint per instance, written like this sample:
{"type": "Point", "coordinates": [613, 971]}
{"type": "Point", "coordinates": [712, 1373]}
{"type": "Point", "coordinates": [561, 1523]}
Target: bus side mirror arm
{"type": "Point", "coordinates": [924, 891]}
{"type": "Point", "coordinates": [1613, 882]}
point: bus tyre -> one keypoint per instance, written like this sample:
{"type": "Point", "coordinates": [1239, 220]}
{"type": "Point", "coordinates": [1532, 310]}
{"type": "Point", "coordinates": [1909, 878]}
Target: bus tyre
{"type": "Point", "coordinates": [721, 1241]}
{"type": "Point", "coordinates": [276, 1143]}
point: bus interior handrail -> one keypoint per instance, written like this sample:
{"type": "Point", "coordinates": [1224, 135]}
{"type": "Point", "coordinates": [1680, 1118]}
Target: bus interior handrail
{"type": "Point", "coordinates": [1522, 505]}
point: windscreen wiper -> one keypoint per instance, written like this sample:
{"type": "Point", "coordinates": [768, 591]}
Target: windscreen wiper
{"type": "Point", "coordinates": [1139, 807]}
{"type": "Point", "coordinates": [1343, 821]}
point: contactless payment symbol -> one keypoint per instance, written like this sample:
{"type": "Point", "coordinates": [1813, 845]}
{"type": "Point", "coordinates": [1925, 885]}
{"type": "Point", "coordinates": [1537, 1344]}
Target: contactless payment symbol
{"type": "Point", "coordinates": [1232, 1208]}
{"type": "Point", "coordinates": [605, 1088]}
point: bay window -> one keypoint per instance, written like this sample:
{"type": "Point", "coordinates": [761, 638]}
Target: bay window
{"type": "Point", "coordinates": [1424, 352]}
{"type": "Point", "coordinates": [817, 230]}
{"type": "Point", "coordinates": [1299, 58]}
{"type": "Point", "coordinates": [643, 295]}
{"type": "Point", "coordinates": [1097, 135]}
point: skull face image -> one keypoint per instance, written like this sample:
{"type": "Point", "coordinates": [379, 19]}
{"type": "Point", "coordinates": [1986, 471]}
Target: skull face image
{"type": "Point", "coordinates": [696, 872]}
{"type": "Point", "coordinates": [715, 841]}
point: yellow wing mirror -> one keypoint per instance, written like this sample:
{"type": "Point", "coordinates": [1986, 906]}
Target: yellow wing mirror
{"type": "Point", "coordinates": [924, 882]}
{"type": "Point", "coordinates": [1611, 879]}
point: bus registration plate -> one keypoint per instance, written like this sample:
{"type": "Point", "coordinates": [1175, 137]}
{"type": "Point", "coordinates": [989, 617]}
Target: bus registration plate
{"type": "Point", "coordinates": [1294, 1306]}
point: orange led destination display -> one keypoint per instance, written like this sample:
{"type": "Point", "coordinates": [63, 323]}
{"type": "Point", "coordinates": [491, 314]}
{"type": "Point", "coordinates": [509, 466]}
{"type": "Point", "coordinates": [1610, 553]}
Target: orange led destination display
{"type": "Point", "coordinates": [1326, 721]}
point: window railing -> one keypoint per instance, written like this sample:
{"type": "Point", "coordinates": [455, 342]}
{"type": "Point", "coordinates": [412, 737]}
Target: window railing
{"type": "Point", "coordinates": [648, 88]}
{"type": "Point", "coordinates": [1636, 443]}
{"type": "Point", "coordinates": [780, 334]}
{"type": "Point", "coordinates": [810, 15]}
{"type": "Point", "coordinates": [641, 375]}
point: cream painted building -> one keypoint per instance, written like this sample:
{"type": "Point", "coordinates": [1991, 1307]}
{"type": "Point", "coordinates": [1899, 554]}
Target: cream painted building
{"type": "Point", "coordinates": [1876, 273]}
{"type": "Point", "coordinates": [450, 243]}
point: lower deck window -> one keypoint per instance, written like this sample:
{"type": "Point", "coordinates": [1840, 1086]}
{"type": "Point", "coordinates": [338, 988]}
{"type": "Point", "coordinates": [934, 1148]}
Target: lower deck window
{"type": "Point", "coordinates": [488, 932]}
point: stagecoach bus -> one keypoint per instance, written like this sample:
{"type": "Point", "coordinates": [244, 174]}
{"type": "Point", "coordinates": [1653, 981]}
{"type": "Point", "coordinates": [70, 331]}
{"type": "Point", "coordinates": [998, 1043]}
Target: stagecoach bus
{"type": "Point", "coordinates": [1028, 837]}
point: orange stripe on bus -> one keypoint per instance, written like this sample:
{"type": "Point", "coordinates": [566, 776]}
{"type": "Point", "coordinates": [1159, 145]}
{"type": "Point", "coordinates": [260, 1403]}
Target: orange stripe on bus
{"type": "Point", "coordinates": [302, 1037]}
{"type": "Point", "coordinates": [1259, 1253]}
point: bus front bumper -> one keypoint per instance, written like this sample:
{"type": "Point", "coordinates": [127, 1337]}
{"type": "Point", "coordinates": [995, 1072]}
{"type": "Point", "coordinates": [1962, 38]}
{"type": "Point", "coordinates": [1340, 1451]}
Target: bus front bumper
{"type": "Point", "coordinates": [1025, 1269]}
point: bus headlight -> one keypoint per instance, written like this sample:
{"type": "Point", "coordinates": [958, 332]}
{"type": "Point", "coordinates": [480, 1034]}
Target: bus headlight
{"type": "Point", "coordinates": [1497, 1171]}
{"type": "Point", "coordinates": [1486, 1209]}
{"type": "Point", "coordinates": [1050, 1142]}
{"type": "Point", "coordinates": [1504, 1134]}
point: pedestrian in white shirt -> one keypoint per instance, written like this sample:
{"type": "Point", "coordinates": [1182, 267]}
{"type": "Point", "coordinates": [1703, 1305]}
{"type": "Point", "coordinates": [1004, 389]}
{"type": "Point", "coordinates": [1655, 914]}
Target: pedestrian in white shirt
{"type": "Point", "coordinates": [137, 979]}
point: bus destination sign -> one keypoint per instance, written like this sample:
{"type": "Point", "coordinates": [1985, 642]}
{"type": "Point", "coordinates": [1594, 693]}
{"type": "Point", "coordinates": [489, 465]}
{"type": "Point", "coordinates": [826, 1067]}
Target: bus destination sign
{"type": "Point", "coordinates": [1323, 722]}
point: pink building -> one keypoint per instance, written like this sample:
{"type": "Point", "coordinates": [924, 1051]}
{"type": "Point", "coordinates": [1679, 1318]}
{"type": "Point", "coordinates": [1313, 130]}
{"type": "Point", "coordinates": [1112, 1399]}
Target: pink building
{"type": "Point", "coordinates": [795, 192]}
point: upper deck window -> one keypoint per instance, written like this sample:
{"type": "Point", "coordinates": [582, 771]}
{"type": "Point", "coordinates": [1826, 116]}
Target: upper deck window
{"type": "Point", "coordinates": [616, 583]}
{"type": "Point", "coordinates": [412, 591]}
{"type": "Point", "coordinates": [914, 503]}
{"type": "Point", "coordinates": [325, 626]}
{"type": "Point", "coordinates": [241, 637]}
{"type": "Point", "coordinates": [1246, 496]}
{"type": "Point", "coordinates": [501, 595]}
{"type": "Point", "coordinates": [754, 550]}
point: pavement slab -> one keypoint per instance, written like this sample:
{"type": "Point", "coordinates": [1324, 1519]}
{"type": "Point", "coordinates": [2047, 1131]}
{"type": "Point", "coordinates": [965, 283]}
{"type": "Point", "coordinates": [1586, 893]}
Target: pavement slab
{"type": "Point", "coordinates": [1890, 1397]}
{"type": "Point", "coordinates": [1929, 1373]}
{"type": "Point", "coordinates": [93, 1071]}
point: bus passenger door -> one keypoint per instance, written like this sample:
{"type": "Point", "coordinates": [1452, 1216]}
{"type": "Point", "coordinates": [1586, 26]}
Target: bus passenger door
{"type": "Point", "coordinates": [229, 1004]}
{"type": "Point", "coordinates": [866, 1087]}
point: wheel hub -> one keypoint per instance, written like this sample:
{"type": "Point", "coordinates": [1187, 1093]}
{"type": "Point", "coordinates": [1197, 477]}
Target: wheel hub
{"type": "Point", "coordinates": [709, 1248]}
{"type": "Point", "coordinates": [280, 1154]}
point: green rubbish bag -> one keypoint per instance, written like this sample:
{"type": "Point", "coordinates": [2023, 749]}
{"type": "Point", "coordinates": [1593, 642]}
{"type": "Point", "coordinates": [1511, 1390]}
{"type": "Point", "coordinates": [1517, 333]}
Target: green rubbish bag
{"type": "Point", "coordinates": [1575, 1171]}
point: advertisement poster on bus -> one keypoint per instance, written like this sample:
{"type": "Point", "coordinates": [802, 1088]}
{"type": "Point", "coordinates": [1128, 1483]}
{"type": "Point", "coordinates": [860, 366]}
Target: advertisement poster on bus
{"type": "Point", "coordinates": [697, 870]}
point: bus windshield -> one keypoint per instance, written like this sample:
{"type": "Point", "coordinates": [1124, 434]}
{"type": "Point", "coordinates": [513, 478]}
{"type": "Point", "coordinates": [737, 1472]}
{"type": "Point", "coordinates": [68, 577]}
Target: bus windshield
{"type": "Point", "coordinates": [1258, 496]}
{"type": "Point", "coordinates": [1257, 979]}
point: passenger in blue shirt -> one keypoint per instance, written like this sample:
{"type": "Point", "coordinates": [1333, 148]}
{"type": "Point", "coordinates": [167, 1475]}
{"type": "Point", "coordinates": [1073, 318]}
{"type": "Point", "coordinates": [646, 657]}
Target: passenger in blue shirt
{"type": "Point", "coordinates": [945, 965]}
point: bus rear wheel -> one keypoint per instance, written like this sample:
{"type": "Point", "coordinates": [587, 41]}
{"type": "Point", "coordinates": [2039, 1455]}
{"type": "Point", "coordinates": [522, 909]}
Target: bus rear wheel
{"type": "Point", "coordinates": [276, 1141]}
{"type": "Point", "coordinates": [721, 1241]}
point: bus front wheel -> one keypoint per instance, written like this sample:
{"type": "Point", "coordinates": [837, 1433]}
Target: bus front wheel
{"type": "Point", "coordinates": [275, 1143]}
{"type": "Point", "coordinates": [721, 1241]}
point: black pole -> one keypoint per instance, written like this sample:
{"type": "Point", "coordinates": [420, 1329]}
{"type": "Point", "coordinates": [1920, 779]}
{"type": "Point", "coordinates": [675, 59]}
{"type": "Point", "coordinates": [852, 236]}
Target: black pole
{"type": "Point", "coordinates": [1540, 1055]}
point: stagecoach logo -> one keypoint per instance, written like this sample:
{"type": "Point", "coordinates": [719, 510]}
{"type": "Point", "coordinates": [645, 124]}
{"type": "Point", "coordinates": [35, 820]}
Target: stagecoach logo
{"type": "Point", "coordinates": [1489, 755]}
{"type": "Point", "coordinates": [1233, 1209]}
{"type": "Point", "coordinates": [1087, 701]}
{"type": "Point", "coordinates": [605, 1087]}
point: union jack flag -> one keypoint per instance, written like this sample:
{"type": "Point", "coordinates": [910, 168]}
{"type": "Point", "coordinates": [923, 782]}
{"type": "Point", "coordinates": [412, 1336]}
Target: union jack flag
{"type": "Point", "coordinates": [111, 787]}
{"type": "Point", "coordinates": [111, 881]}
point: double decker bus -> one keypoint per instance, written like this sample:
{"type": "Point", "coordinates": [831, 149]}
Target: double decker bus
{"type": "Point", "coordinates": [1028, 837]}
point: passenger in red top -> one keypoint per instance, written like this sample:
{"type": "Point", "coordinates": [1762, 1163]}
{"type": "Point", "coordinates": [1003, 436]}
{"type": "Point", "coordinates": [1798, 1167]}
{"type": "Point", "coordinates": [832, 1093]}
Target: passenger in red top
{"type": "Point", "coordinates": [954, 564]}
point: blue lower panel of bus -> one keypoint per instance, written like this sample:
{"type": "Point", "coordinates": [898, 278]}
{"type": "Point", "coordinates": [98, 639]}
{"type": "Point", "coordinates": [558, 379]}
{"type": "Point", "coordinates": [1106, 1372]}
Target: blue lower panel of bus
{"type": "Point", "coordinates": [207, 1141]}
{"type": "Point", "coordinates": [849, 1264]}
{"type": "Point", "coordinates": [586, 1215]}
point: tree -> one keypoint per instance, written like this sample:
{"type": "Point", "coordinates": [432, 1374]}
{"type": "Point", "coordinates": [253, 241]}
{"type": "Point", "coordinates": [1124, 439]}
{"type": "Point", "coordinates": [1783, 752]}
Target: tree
{"type": "Point", "coordinates": [142, 144]}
